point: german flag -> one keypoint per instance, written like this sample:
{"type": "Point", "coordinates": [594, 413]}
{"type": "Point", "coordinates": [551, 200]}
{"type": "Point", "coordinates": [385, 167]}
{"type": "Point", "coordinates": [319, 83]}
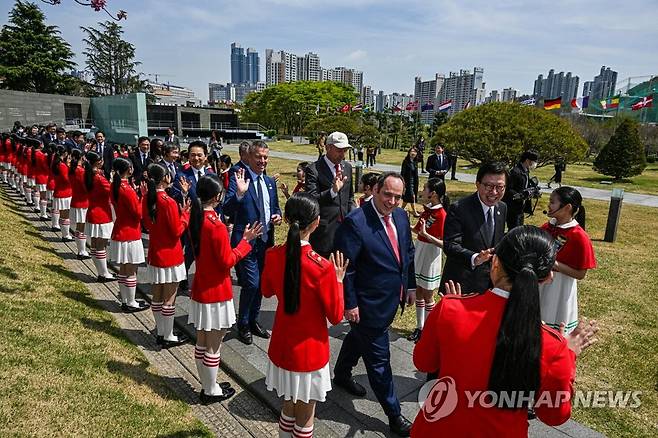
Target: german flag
{"type": "Point", "coordinates": [551, 104]}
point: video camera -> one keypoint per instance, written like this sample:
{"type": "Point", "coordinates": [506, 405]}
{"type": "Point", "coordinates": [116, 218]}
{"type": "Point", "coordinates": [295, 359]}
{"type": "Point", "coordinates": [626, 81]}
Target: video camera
{"type": "Point", "coordinates": [531, 192]}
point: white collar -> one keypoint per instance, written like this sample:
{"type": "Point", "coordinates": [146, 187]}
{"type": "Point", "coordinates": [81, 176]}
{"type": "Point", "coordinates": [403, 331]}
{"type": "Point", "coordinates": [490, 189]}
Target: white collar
{"type": "Point", "coordinates": [331, 164]}
{"type": "Point", "coordinates": [381, 216]}
{"type": "Point", "coordinates": [500, 292]}
{"type": "Point", "coordinates": [572, 223]}
{"type": "Point", "coordinates": [485, 207]}
{"type": "Point", "coordinates": [305, 242]}
{"type": "Point", "coordinates": [368, 198]}
{"type": "Point", "coordinates": [434, 207]}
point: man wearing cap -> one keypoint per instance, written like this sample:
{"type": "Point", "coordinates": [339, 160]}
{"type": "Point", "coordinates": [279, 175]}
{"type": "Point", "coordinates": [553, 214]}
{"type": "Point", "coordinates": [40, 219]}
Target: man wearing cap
{"type": "Point", "coordinates": [329, 180]}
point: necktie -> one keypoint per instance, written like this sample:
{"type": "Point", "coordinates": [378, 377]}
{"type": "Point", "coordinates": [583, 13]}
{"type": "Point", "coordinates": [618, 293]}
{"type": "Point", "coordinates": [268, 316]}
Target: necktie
{"type": "Point", "coordinates": [261, 207]}
{"type": "Point", "coordinates": [143, 159]}
{"type": "Point", "coordinates": [340, 207]}
{"type": "Point", "coordinates": [490, 226]}
{"type": "Point", "coordinates": [440, 161]}
{"type": "Point", "coordinates": [391, 237]}
{"type": "Point", "coordinates": [172, 170]}
{"type": "Point", "coordinates": [199, 175]}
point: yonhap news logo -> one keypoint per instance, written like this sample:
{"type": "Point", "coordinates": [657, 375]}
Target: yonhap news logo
{"type": "Point", "coordinates": [438, 399]}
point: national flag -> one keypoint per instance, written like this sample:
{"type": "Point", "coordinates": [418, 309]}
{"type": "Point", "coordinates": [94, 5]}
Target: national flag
{"type": "Point", "coordinates": [580, 103]}
{"type": "Point", "coordinates": [357, 107]}
{"type": "Point", "coordinates": [646, 102]}
{"type": "Point", "coordinates": [427, 107]}
{"type": "Point", "coordinates": [445, 106]}
{"type": "Point", "coordinates": [611, 103]}
{"type": "Point", "coordinates": [345, 108]}
{"type": "Point", "coordinates": [530, 101]}
{"type": "Point", "coordinates": [397, 108]}
{"type": "Point", "coordinates": [412, 106]}
{"type": "Point", "coordinates": [468, 105]}
{"type": "Point", "coordinates": [551, 104]}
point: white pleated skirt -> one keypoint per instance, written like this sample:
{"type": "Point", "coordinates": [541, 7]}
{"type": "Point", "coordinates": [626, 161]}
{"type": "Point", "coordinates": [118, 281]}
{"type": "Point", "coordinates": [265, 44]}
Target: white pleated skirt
{"type": "Point", "coordinates": [211, 316]}
{"type": "Point", "coordinates": [32, 182]}
{"type": "Point", "coordinates": [427, 262]}
{"type": "Point", "coordinates": [172, 274]}
{"type": "Point", "coordinates": [131, 251]}
{"type": "Point", "coordinates": [78, 215]}
{"type": "Point", "coordinates": [62, 203]}
{"type": "Point", "coordinates": [41, 187]}
{"type": "Point", "coordinates": [103, 231]}
{"type": "Point", "coordinates": [296, 386]}
{"type": "Point", "coordinates": [23, 178]}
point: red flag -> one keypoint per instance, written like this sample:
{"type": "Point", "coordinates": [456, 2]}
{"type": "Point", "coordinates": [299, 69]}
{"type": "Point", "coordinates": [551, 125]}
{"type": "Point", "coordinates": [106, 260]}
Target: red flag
{"type": "Point", "coordinates": [345, 108]}
{"type": "Point", "coordinates": [646, 102]}
{"type": "Point", "coordinates": [397, 108]}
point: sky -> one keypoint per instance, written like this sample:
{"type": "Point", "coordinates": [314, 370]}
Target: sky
{"type": "Point", "coordinates": [187, 42]}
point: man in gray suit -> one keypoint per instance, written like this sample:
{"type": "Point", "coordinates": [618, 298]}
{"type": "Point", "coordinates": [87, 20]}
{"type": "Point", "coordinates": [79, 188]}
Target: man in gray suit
{"type": "Point", "coordinates": [329, 180]}
{"type": "Point", "coordinates": [171, 138]}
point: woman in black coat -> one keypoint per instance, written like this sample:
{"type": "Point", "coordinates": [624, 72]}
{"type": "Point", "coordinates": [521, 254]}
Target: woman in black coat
{"type": "Point", "coordinates": [409, 172]}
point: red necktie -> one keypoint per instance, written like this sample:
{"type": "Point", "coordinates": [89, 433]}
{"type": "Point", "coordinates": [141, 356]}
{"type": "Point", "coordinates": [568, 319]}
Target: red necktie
{"type": "Point", "coordinates": [391, 237]}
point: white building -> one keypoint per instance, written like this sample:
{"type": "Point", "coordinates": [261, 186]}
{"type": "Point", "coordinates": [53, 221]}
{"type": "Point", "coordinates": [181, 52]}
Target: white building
{"type": "Point", "coordinates": [463, 88]}
{"type": "Point", "coordinates": [168, 94]}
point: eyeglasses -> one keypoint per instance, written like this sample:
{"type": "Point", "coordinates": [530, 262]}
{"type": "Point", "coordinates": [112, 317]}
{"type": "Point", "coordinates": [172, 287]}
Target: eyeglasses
{"type": "Point", "coordinates": [489, 187]}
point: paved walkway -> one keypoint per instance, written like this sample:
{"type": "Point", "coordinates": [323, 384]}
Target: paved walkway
{"type": "Point", "coordinates": [253, 410]}
{"type": "Point", "coordinates": [587, 192]}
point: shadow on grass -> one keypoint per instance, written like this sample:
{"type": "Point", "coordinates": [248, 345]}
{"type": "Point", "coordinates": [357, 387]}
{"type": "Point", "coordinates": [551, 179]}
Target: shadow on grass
{"type": "Point", "coordinates": [7, 271]}
{"type": "Point", "coordinates": [89, 301]}
{"type": "Point", "coordinates": [185, 434]}
{"type": "Point", "coordinates": [85, 278]}
{"type": "Point", "coordinates": [134, 336]}
{"type": "Point", "coordinates": [169, 388]}
{"type": "Point", "coordinates": [7, 290]}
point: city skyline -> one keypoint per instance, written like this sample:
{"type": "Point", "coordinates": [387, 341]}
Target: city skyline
{"type": "Point", "coordinates": [390, 42]}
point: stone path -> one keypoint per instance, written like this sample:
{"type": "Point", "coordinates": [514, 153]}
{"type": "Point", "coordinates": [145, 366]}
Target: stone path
{"type": "Point", "coordinates": [253, 410]}
{"type": "Point", "coordinates": [587, 192]}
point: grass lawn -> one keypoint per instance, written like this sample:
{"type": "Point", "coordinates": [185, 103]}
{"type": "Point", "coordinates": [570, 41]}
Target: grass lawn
{"type": "Point", "coordinates": [580, 174]}
{"type": "Point", "coordinates": [621, 294]}
{"type": "Point", "coordinates": [67, 369]}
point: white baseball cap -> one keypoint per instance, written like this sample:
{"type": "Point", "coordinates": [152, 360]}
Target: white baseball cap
{"type": "Point", "coordinates": [338, 139]}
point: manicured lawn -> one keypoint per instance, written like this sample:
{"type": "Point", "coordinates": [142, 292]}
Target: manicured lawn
{"type": "Point", "coordinates": [621, 294]}
{"type": "Point", "coordinates": [580, 174]}
{"type": "Point", "coordinates": [66, 368]}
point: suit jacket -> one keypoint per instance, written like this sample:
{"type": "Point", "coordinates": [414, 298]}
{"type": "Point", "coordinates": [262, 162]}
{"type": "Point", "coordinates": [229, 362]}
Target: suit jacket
{"type": "Point", "coordinates": [374, 279]}
{"type": "Point", "coordinates": [519, 178]}
{"type": "Point", "coordinates": [175, 141]}
{"type": "Point", "coordinates": [433, 166]}
{"type": "Point", "coordinates": [46, 139]}
{"type": "Point", "coordinates": [108, 158]}
{"type": "Point", "coordinates": [464, 235]}
{"type": "Point", "coordinates": [72, 145]}
{"type": "Point", "coordinates": [174, 189]}
{"type": "Point", "coordinates": [319, 179]}
{"type": "Point", "coordinates": [138, 167]}
{"type": "Point", "coordinates": [246, 210]}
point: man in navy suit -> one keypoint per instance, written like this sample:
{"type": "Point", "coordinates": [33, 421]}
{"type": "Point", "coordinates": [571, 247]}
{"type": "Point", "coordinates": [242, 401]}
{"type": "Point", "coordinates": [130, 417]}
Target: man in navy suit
{"type": "Point", "coordinates": [141, 159]}
{"type": "Point", "coordinates": [438, 164]}
{"type": "Point", "coordinates": [249, 200]}
{"type": "Point", "coordinates": [376, 239]}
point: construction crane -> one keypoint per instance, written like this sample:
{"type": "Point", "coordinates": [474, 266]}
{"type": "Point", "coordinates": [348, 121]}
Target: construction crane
{"type": "Point", "coordinates": [157, 75]}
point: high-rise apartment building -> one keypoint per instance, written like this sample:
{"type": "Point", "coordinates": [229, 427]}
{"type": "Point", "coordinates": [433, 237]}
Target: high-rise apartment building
{"type": "Point", "coordinates": [494, 96]}
{"type": "Point", "coordinates": [367, 97]}
{"type": "Point", "coordinates": [381, 101]}
{"type": "Point", "coordinates": [245, 68]}
{"type": "Point", "coordinates": [509, 94]}
{"type": "Point", "coordinates": [463, 88]}
{"type": "Point", "coordinates": [280, 67]}
{"type": "Point", "coordinates": [345, 75]}
{"type": "Point", "coordinates": [253, 66]}
{"type": "Point", "coordinates": [426, 94]}
{"type": "Point", "coordinates": [603, 85]}
{"type": "Point", "coordinates": [308, 67]}
{"type": "Point", "coordinates": [556, 85]}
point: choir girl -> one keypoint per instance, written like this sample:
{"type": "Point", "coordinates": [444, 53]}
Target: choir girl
{"type": "Point", "coordinates": [79, 202]}
{"type": "Point", "coordinates": [62, 192]}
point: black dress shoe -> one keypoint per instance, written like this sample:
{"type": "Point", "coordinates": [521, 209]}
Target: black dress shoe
{"type": "Point", "coordinates": [244, 335]}
{"type": "Point", "coordinates": [159, 339]}
{"type": "Point", "coordinates": [102, 279]}
{"type": "Point", "coordinates": [168, 344]}
{"type": "Point", "coordinates": [399, 425]}
{"type": "Point", "coordinates": [55, 229]}
{"type": "Point", "coordinates": [208, 399]}
{"type": "Point", "coordinates": [350, 385]}
{"type": "Point", "coordinates": [184, 286]}
{"type": "Point", "coordinates": [223, 385]}
{"type": "Point", "coordinates": [84, 256]}
{"type": "Point", "coordinates": [258, 330]}
{"type": "Point", "coordinates": [415, 336]}
{"type": "Point", "coordinates": [141, 306]}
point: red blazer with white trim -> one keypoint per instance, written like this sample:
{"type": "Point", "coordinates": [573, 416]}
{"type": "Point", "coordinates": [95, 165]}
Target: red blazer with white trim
{"type": "Point", "coordinates": [99, 211]}
{"type": "Point", "coordinates": [165, 249]}
{"type": "Point", "coordinates": [128, 210]}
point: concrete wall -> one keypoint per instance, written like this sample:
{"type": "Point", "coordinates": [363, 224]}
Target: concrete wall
{"type": "Point", "coordinates": [39, 108]}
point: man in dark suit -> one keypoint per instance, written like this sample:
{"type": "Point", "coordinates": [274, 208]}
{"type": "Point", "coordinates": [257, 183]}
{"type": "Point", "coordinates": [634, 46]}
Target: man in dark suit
{"type": "Point", "coordinates": [329, 180]}
{"type": "Point", "coordinates": [473, 227]}
{"type": "Point", "coordinates": [50, 136]}
{"type": "Point", "coordinates": [252, 197]}
{"type": "Point", "coordinates": [376, 239]}
{"type": "Point", "coordinates": [140, 159]}
{"type": "Point", "coordinates": [76, 140]}
{"type": "Point", "coordinates": [106, 151]}
{"type": "Point", "coordinates": [438, 164]}
{"type": "Point", "coordinates": [171, 138]}
{"type": "Point", "coordinates": [170, 156]}
{"type": "Point", "coordinates": [517, 196]}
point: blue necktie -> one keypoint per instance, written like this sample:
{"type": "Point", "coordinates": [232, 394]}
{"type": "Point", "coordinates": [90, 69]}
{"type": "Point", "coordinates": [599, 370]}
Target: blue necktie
{"type": "Point", "coordinates": [261, 206]}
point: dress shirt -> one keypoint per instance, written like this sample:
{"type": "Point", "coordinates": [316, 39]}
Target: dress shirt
{"type": "Point", "coordinates": [381, 219]}
{"type": "Point", "coordinates": [202, 171]}
{"type": "Point", "coordinates": [266, 195]}
{"type": "Point", "coordinates": [485, 210]}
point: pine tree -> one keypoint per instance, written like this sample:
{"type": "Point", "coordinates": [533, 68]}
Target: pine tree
{"type": "Point", "coordinates": [33, 55]}
{"type": "Point", "coordinates": [623, 156]}
{"type": "Point", "coordinates": [110, 60]}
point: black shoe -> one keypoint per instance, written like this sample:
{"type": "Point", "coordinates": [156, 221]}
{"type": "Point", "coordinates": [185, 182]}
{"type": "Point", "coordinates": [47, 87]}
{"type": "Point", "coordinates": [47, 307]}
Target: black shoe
{"type": "Point", "coordinates": [55, 229]}
{"type": "Point", "coordinates": [258, 330]}
{"type": "Point", "coordinates": [141, 305]}
{"type": "Point", "coordinates": [102, 279]}
{"type": "Point", "coordinates": [415, 336]}
{"type": "Point", "coordinates": [244, 335]}
{"type": "Point", "coordinates": [183, 286]}
{"type": "Point", "coordinates": [350, 385]}
{"type": "Point", "coordinates": [223, 385]}
{"type": "Point", "coordinates": [67, 239]}
{"type": "Point", "coordinates": [158, 341]}
{"type": "Point", "coordinates": [208, 399]}
{"type": "Point", "coordinates": [399, 425]}
{"type": "Point", "coordinates": [84, 256]}
{"type": "Point", "coordinates": [168, 344]}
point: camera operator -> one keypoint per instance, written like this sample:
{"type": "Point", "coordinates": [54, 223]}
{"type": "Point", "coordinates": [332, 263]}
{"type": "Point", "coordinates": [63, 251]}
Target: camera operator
{"type": "Point", "coordinates": [521, 189]}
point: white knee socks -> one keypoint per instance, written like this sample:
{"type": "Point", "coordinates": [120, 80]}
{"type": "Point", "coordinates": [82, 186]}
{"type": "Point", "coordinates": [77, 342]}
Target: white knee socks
{"type": "Point", "coordinates": [54, 219]}
{"type": "Point", "coordinates": [286, 426]}
{"type": "Point", "coordinates": [81, 243]}
{"type": "Point", "coordinates": [131, 286]}
{"type": "Point", "coordinates": [302, 432]}
{"type": "Point", "coordinates": [156, 308]}
{"type": "Point", "coordinates": [428, 309]}
{"type": "Point", "coordinates": [420, 314]}
{"type": "Point", "coordinates": [211, 367]}
{"type": "Point", "coordinates": [28, 195]}
{"type": "Point", "coordinates": [168, 314]}
{"type": "Point", "coordinates": [100, 261]}
{"type": "Point", "coordinates": [65, 226]}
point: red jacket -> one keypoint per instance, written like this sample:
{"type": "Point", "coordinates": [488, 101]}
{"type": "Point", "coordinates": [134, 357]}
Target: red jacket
{"type": "Point", "coordinates": [50, 185]}
{"type": "Point", "coordinates": [41, 170]}
{"type": "Point", "coordinates": [459, 340]}
{"type": "Point", "coordinates": [300, 342]}
{"type": "Point", "coordinates": [29, 169]}
{"type": "Point", "coordinates": [62, 182]}
{"type": "Point", "coordinates": [165, 249]}
{"type": "Point", "coordinates": [80, 197]}
{"type": "Point", "coordinates": [212, 280]}
{"type": "Point", "coordinates": [99, 211]}
{"type": "Point", "coordinates": [128, 210]}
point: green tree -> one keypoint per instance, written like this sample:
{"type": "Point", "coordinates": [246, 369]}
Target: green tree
{"type": "Point", "coordinates": [501, 131]}
{"type": "Point", "coordinates": [110, 60]}
{"type": "Point", "coordinates": [623, 156]}
{"type": "Point", "coordinates": [290, 107]}
{"type": "Point", "coordinates": [33, 55]}
{"type": "Point", "coordinates": [355, 127]}
{"type": "Point", "coordinates": [440, 118]}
